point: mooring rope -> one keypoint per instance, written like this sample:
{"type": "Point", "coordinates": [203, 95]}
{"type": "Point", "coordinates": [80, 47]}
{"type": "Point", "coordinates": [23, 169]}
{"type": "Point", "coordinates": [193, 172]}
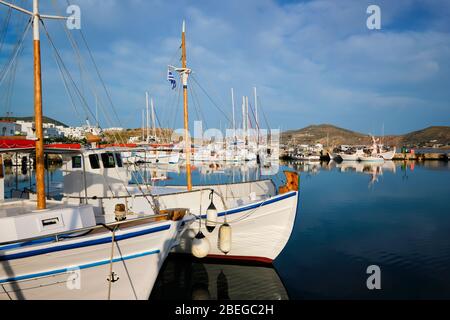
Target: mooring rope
{"type": "Point", "coordinates": [111, 275]}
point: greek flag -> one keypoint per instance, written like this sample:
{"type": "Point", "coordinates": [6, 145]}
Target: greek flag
{"type": "Point", "coordinates": [171, 79]}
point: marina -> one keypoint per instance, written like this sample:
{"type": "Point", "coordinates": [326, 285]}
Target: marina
{"type": "Point", "coordinates": [169, 152]}
{"type": "Point", "coordinates": [340, 203]}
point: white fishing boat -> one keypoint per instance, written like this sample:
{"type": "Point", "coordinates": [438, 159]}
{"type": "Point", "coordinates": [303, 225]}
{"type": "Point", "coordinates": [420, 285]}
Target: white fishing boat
{"type": "Point", "coordinates": [388, 155]}
{"type": "Point", "coordinates": [150, 155]}
{"type": "Point", "coordinates": [70, 249]}
{"type": "Point", "coordinates": [371, 158]}
{"type": "Point", "coordinates": [261, 217]}
{"type": "Point", "coordinates": [352, 156]}
{"type": "Point", "coordinates": [249, 221]}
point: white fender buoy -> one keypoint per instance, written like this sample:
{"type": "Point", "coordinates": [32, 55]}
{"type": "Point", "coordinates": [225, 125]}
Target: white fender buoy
{"type": "Point", "coordinates": [200, 246]}
{"type": "Point", "coordinates": [225, 238]}
{"type": "Point", "coordinates": [211, 215]}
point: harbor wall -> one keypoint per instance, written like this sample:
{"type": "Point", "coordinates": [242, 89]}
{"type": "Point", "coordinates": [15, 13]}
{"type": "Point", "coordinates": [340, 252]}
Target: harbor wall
{"type": "Point", "coordinates": [422, 156]}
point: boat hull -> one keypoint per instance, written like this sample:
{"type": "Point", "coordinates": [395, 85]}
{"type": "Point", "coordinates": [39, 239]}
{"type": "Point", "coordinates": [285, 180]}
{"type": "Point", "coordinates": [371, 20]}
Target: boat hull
{"type": "Point", "coordinates": [388, 155]}
{"type": "Point", "coordinates": [80, 268]}
{"type": "Point", "coordinates": [371, 159]}
{"type": "Point", "coordinates": [260, 231]}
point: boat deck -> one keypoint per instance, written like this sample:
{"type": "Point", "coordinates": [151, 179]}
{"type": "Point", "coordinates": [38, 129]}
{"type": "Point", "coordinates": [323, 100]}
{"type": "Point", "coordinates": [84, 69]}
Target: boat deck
{"type": "Point", "coordinates": [17, 207]}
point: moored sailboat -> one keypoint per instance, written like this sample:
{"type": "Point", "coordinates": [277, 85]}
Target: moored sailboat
{"type": "Point", "coordinates": [247, 221]}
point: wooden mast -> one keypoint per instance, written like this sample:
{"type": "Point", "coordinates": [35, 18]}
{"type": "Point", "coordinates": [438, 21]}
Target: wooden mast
{"type": "Point", "coordinates": [40, 167]}
{"type": "Point", "coordinates": [184, 77]}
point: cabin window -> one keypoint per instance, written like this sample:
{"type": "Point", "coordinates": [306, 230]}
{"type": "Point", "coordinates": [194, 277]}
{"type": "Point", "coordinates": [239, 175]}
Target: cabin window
{"type": "Point", "coordinates": [94, 161]}
{"type": "Point", "coordinates": [108, 160]}
{"type": "Point", "coordinates": [76, 162]}
{"type": "Point", "coordinates": [119, 160]}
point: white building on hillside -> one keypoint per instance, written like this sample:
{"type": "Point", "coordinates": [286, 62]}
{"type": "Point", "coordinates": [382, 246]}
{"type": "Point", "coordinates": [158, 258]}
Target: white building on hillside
{"type": "Point", "coordinates": [8, 128]}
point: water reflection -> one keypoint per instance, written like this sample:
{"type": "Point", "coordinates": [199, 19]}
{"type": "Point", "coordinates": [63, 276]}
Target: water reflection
{"type": "Point", "coordinates": [185, 278]}
{"type": "Point", "coordinates": [18, 179]}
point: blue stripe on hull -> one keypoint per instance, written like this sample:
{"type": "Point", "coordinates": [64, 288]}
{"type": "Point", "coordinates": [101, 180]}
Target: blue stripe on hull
{"type": "Point", "coordinates": [81, 267]}
{"type": "Point", "coordinates": [254, 206]}
{"type": "Point", "coordinates": [82, 244]}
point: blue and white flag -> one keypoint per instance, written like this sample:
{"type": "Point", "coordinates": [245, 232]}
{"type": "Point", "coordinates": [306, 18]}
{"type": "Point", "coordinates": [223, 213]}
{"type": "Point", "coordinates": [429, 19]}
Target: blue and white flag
{"type": "Point", "coordinates": [171, 79]}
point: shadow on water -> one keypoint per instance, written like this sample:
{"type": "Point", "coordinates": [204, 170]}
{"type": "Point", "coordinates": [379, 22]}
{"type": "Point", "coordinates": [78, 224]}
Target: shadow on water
{"type": "Point", "coordinates": [187, 278]}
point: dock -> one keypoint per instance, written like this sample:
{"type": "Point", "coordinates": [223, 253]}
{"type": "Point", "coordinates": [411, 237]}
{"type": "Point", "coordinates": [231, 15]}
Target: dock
{"type": "Point", "coordinates": [422, 156]}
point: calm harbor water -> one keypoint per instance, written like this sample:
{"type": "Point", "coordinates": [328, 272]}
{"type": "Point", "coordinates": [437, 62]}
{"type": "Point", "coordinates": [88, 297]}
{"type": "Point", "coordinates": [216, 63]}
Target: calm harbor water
{"type": "Point", "coordinates": [350, 216]}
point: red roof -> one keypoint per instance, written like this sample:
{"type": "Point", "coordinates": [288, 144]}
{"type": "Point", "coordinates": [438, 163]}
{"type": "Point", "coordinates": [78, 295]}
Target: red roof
{"type": "Point", "coordinates": [24, 144]}
{"type": "Point", "coordinates": [16, 143]}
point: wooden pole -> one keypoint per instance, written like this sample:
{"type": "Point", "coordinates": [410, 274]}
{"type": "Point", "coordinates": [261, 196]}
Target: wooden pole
{"type": "Point", "coordinates": [40, 164]}
{"type": "Point", "coordinates": [187, 140]}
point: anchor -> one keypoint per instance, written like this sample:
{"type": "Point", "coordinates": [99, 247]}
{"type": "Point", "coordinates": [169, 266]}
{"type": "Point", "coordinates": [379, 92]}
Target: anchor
{"type": "Point", "coordinates": [113, 278]}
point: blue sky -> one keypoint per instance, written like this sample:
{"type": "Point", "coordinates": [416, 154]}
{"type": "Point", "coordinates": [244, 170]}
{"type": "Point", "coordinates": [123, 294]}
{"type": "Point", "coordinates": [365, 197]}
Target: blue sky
{"type": "Point", "coordinates": [312, 61]}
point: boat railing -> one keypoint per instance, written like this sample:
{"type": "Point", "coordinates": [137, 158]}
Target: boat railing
{"type": "Point", "coordinates": [144, 195]}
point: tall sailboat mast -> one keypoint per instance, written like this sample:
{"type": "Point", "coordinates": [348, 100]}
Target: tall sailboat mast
{"type": "Point", "coordinates": [147, 117]}
{"type": "Point", "coordinates": [234, 117]}
{"type": "Point", "coordinates": [256, 116]}
{"type": "Point", "coordinates": [152, 110]}
{"type": "Point", "coordinates": [143, 125]}
{"type": "Point", "coordinates": [243, 118]}
{"type": "Point", "coordinates": [184, 76]}
{"type": "Point", "coordinates": [40, 166]}
{"type": "Point", "coordinates": [232, 106]}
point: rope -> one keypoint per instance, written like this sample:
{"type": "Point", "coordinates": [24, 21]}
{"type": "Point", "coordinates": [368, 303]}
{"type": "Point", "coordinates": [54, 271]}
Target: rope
{"type": "Point", "coordinates": [89, 111]}
{"type": "Point", "coordinates": [210, 99]}
{"type": "Point", "coordinates": [111, 275]}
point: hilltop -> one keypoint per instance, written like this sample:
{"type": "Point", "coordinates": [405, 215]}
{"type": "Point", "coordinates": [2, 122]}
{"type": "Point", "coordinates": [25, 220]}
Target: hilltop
{"type": "Point", "coordinates": [31, 119]}
{"type": "Point", "coordinates": [324, 134]}
{"type": "Point", "coordinates": [434, 135]}
{"type": "Point", "coordinates": [327, 134]}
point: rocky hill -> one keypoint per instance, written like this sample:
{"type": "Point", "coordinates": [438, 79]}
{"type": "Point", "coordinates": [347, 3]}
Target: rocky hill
{"type": "Point", "coordinates": [330, 135]}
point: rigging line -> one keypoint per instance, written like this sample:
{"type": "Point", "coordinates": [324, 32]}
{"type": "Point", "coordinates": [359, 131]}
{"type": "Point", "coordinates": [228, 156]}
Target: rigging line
{"type": "Point", "coordinates": [66, 87]}
{"type": "Point", "coordinates": [264, 114]}
{"type": "Point", "coordinates": [195, 106]}
{"type": "Point", "coordinates": [101, 78]}
{"type": "Point", "coordinates": [81, 64]}
{"type": "Point", "coordinates": [16, 51]}
{"type": "Point", "coordinates": [116, 135]}
{"type": "Point", "coordinates": [98, 74]}
{"type": "Point", "coordinates": [84, 104]}
{"type": "Point", "coordinates": [5, 28]}
{"type": "Point", "coordinates": [195, 97]}
{"type": "Point", "coordinates": [177, 107]}
{"type": "Point", "coordinates": [77, 91]}
{"type": "Point", "coordinates": [161, 129]}
{"type": "Point", "coordinates": [11, 82]}
{"type": "Point", "coordinates": [210, 99]}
